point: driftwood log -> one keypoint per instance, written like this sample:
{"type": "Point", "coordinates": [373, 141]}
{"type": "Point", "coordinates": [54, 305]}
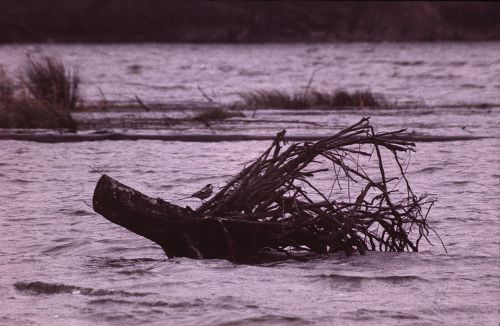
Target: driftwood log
{"type": "Point", "coordinates": [181, 232]}
{"type": "Point", "coordinates": [332, 195]}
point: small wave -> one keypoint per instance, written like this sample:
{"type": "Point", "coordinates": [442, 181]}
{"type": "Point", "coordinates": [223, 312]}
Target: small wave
{"type": "Point", "coordinates": [159, 87]}
{"type": "Point", "coordinates": [41, 288]}
{"type": "Point", "coordinates": [80, 212]}
{"type": "Point", "coordinates": [408, 63]}
{"type": "Point", "coordinates": [151, 304]}
{"type": "Point", "coordinates": [224, 68]}
{"type": "Point", "coordinates": [365, 314]}
{"type": "Point", "coordinates": [430, 169]}
{"type": "Point", "coordinates": [456, 63]}
{"type": "Point", "coordinates": [455, 218]}
{"type": "Point", "coordinates": [267, 319]}
{"type": "Point", "coordinates": [58, 248]}
{"type": "Point", "coordinates": [22, 181]}
{"type": "Point", "coordinates": [119, 262]}
{"type": "Point", "coordinates": [182, 304]}
{"type": "Point", "coordinates": [20, 219]}
{"type": "Point", "coordinates": [472, 86]}
{"type": "Point", "coordinates": [139, 272]}
{"type": "Point", "coordinates": [110, 301]}
{"type": "Point", "coordinates": [250, 73]}
{"type": "Point", "coordinates": [456, 183]}
{"type": "Point", "coordinates": [144, 172]}
{"type": "Point", "coordinates": [358, 278]}
{"type": "Point", "coordinates": [434, 76]}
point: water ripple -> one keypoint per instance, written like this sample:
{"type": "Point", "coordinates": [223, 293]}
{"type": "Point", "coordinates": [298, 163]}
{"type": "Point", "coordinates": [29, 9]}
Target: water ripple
{"type": "Point", "coordinates": [41, 288]}
{"type": "Point", "coordinates": [360, 278]}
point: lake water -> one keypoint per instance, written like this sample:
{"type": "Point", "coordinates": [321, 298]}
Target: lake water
{"type": "Point", "coordinates": [430, 73]}
{"type": "Point", "coordinates": [63, 264]}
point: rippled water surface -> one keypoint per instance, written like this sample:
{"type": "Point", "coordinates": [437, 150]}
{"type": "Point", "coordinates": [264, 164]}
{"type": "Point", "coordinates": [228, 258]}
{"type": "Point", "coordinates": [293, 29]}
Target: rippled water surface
{"type": "Point", "coordinates": [62, 264]}
{"type": "Point", "coordinates": [433, 73]}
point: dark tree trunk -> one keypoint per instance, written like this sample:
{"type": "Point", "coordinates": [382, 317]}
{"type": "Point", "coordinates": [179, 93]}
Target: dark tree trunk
{"type": "Point", "coordinates": [181, 232]}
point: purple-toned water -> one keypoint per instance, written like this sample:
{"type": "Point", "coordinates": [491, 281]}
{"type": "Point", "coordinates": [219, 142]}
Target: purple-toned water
{"type": "Point", "coordinates": [62, 264]}
{"type": "Point", "coordinates": [430, 73]}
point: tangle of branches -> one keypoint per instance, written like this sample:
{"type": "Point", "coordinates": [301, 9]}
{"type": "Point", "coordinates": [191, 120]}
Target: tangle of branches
{"type": "Point", "coordinates": [348, 192]}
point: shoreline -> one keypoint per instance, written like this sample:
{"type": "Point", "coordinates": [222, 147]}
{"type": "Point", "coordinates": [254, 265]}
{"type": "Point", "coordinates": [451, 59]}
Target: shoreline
{"type": "Point", "coordinates": [73, 138]}
{"type": "Point", "coordinates": [133, 106]}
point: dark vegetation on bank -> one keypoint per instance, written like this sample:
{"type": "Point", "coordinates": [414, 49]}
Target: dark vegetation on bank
{"type": "Point", "coordinates": [242, 22]}
{"type": "Point", "coordinates": [41, 96]}
{"type": "Point", "coordinates": [309, 99]}
{"type": "Point", "coordinates": [45, 92]}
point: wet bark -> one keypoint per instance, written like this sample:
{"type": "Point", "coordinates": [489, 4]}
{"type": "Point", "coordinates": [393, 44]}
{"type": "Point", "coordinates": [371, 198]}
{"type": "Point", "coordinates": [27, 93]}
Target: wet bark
{"type": "Point", "coordinates": [181, 232]}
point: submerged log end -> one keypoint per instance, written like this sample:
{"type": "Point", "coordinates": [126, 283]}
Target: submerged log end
{"type": "Point", "coordinates": [152, 218]}
{"type": "Point", "coordinates": [181, 232]}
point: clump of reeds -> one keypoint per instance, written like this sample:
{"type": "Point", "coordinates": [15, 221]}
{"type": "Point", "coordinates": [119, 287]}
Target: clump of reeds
{"type": "Point", "coordinates": [309, 99]}
{"type": "Point", "coordinates": [49, 81]}
{"type": "Point", "coordinates": [42, 96]}
{"type": "Point", "coordinates": [6, 86]}
{"type": "Point", "coordinates": [216, 114]}
{"type": "Point", "coordinates": [27, 113]}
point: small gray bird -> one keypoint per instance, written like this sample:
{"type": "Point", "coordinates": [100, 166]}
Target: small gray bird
{"type": "Point", "coordinates": [204, 193]}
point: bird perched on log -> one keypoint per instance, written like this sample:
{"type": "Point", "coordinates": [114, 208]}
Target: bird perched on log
{"type": "Point", "coordinates": [203, 193]}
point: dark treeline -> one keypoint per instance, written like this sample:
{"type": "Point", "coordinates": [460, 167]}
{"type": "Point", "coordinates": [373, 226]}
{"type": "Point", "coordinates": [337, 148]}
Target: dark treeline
{"type": "Point", "coordinates": [204, 21]}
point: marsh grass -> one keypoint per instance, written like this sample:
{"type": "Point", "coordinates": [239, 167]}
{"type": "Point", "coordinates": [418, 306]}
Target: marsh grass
{"type": "Point", "coordinates": [309, 99]}
{"type": "Point", "coordinates": [27, 113]}
{"type": "Point", "coordinates": [6, 86]}
{"type": "Point", "coordinates": [48, 80]}
{"type": "Point", "coordinates": [42, 96]}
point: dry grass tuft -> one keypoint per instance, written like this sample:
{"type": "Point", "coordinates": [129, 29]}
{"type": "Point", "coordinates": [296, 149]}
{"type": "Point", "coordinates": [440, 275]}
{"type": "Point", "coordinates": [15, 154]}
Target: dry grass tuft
{"type": "Point", "coordinates": [300, 100]}
{"type": "Point", "coordinates": [41, 97]}
{"type": "Point", "coordinates": [6, 86]}
{"type": "Point", "coordinates": [26, 113]}
{"type": "Point", "coordinates": [47, 80]}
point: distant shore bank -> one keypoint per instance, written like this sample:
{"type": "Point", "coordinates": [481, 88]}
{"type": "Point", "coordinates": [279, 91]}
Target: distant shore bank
{"type": "Point", "coordinates": [127, 21]}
